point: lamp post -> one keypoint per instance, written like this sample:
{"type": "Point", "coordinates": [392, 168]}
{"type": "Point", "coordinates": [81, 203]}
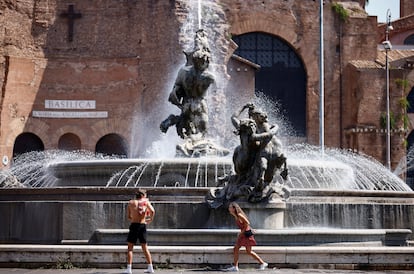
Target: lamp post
{"type": "Point", "coordinates": [387, 45]}
{"type": "Point", "coordinates": [321, 82]}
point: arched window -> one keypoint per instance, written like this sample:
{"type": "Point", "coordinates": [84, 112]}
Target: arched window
{"type": "Point", "coordinates": [27, 142]}
{"type": "Point", "coordinates": [410, 99]}
{"type": "Point", "coordinates": [112, 144]}
{"type": "Point", "coordinates": [69, 141]}
{"type": "Point", "coordinates": [410, 144]}
{"type": "Point", "coordinates": [410, 160]}
{"type": "Point", "coordinates": [409, 40]}
{"type": "Point", "coordinates": [282, 76]}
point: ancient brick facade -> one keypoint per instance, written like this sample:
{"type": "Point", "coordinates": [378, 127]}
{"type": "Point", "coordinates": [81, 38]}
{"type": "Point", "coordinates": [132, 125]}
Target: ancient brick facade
{"type": "Point", "coordinates": [406, 8]}
{"type": "Point", "coordinates": [124, 55]}
{"type": "Point", "coordinates": [117, 58]}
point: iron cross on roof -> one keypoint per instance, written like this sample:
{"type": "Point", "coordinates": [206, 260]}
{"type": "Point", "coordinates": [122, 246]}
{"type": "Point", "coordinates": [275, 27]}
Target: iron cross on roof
{"type": "Point", "coordinates": [71, 15]}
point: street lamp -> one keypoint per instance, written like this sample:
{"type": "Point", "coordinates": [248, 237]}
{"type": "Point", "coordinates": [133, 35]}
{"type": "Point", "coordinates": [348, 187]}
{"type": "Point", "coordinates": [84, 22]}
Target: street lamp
{"type": "Point", "coordinates": [321, 82]}
{"type": "Point", "coordinates": [387, 46]}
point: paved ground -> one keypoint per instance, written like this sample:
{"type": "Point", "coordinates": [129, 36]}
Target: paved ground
{"type": "Point", "coordinates": [194, 271]}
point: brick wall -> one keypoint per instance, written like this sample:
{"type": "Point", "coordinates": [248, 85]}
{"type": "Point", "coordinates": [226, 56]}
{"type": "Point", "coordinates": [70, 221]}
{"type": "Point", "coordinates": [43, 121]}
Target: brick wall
{"type": "Point", "coordinates": [406, 8]}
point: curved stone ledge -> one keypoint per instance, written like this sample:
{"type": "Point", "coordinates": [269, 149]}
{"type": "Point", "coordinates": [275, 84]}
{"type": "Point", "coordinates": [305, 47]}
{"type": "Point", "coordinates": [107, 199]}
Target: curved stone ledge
{"type": "Point", "coordinates": [297, 257]}
{"type": "Point", "coordinates": [264, 237]}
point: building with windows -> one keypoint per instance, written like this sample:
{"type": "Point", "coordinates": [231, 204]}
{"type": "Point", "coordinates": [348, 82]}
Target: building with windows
{"type": "Point", "coordinates": [95, 75]}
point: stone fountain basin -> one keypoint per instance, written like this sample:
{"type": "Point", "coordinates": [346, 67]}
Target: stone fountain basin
{"type": "Point", "coordinates": [185, 172]}
{"type": "Point", "coordinates": [191, 172]}
{"type": "Point", "coordinates": [55, 215]}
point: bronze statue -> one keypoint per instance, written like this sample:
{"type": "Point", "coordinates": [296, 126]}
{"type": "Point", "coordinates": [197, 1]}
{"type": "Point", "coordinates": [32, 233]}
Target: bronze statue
{"type": "Point", "coordinates": [189, 95]}
{"type": "Point", "coordinates": [270, 155]}
{"type": "Point", "coordinates": [255, 160]}
{"type": "Point", "coordinates": [189, 92]}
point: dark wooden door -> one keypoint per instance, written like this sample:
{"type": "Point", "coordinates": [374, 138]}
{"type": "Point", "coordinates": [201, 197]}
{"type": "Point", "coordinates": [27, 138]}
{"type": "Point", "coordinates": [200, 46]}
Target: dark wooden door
{"type": "Point", "coordinates": [281, 76]}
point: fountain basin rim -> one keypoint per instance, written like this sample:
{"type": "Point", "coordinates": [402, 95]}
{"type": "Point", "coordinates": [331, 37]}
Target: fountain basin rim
{"type": "Point", "coordinates": [122, 194]}
{"type": "Point", "coordinates": [352, 192]}
{"type": "Point", "coordinates": [91, 193]}
{"type": "Point", "coordinates": [209, 160]}
{"type": "Point", "coordinates": [277, 231]}
{"type": "Point", "coordinates": [131, 190]}
{"type": "Point", "coordinates": [61, 169]}
{"type": "Point", "coordinates": [135, 161]}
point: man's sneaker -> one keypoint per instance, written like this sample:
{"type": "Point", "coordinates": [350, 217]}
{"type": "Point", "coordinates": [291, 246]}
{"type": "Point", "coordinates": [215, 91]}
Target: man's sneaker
{"type": "Point", "coordinates": [233, 269]}
{"type": "Point", "coordinates": [127, 271]}
{"type": "Point", "coordinates": [263, 266]}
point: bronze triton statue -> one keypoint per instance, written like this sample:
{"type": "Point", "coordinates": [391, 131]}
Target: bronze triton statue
{"type": "Point", "coordinates": [189, 95]}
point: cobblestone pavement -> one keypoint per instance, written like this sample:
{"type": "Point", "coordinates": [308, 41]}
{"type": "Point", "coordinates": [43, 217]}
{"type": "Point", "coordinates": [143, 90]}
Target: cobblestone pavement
{"type": "Point", "coordinates": [195, 271]}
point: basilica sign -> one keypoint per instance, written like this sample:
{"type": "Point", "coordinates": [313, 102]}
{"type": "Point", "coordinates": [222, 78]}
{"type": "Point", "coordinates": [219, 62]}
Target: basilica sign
{"type": "Point", "coordinates": [70, 105]}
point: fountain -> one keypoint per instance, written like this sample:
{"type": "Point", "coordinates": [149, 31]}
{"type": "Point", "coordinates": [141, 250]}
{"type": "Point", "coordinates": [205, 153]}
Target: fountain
{"type": "Point", "coordinates": [79, 196]}
{"type": "Point", "coordinates": [324, 194]}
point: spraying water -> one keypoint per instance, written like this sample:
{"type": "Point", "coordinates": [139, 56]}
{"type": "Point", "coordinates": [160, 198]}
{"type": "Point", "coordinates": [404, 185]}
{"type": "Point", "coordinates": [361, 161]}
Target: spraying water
{"type": "Point", "coordinates": [199, 14]}
{"type": "Point", "coordinates": [339, 170]}
{"type": "Point", "coordinates": [359, 172]}
{"type": "Point", "coordinates": [31, 169]}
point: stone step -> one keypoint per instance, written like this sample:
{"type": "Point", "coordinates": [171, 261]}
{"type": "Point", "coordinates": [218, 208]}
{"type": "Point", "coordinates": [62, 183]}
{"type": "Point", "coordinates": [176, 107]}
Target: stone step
{"type": "Point", "coordinates": [265, 237]}
{"type": "Point", "coordinates": [344, 257]}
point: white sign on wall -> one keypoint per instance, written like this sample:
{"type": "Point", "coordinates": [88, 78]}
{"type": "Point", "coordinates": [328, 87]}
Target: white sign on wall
{"type": "Point", "coordinates": [70, 104]}
{"type": "Point", "coordinates": [70, 114]}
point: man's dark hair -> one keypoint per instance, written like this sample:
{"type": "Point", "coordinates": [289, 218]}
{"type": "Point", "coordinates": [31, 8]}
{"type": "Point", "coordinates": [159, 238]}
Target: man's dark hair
{"type": "Point", "coordinates": [140, 193]}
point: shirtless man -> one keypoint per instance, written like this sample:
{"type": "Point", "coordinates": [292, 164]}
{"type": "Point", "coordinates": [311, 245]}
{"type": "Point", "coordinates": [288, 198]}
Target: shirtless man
{"type": "Point", "coordinates": [140, 212]}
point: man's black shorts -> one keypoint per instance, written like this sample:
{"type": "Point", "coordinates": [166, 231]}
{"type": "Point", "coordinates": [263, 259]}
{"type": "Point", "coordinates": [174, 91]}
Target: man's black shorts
{"type": "Point", "coordinates": [137, 231]}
